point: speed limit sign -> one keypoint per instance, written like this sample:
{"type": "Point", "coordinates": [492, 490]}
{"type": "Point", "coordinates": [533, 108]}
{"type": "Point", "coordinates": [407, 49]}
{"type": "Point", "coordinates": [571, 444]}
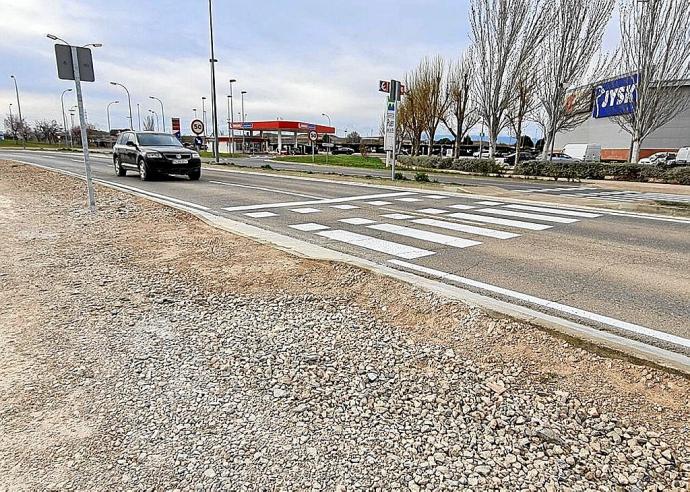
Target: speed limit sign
{"type": "Point", "coordinates": [197, 127]}
{"type": "Point", "coordinates": [313, 136]}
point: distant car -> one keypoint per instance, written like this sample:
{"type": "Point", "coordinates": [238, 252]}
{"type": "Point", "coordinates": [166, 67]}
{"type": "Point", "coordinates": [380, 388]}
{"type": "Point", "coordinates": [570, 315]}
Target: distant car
{"type": "Point", "coordinates": [342, 150]}
{"type": "Point", "coordinates": [484, 154]}
{"type": "Point", "coordinates": [683, 157]}
{"type": "Point", "coordinates": [151, 153]}
{"type": "Point", "coordinates": [560, 157]}
{"type": "Point", "coordinates": [509, 160]}
{"type": "Point", "coordinates": [583, 152]}
{"type": "Point", "coordinates": [661, 159]}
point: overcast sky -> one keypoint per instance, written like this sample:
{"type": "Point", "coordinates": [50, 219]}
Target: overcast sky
{"type": "Point", "coordinates": [297, 59]}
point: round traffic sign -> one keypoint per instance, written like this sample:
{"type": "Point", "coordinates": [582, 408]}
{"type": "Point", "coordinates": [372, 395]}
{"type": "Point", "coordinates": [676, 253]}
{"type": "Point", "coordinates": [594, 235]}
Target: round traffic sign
{"type": "Point", "coordinates": [313, 136]}
{"type": "Point", "coordinates": [197, 127]}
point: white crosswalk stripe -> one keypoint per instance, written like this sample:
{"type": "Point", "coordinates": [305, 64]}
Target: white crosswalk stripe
{"type": "Point", "coordinates": [571, 213]}
{"type": "Point", "coordinates": [357, 221]}
{"type": "Point", "coordinates": [309, 227]}
{"type": "Point", "coordinates": [432, 211]}
{"type": "Point", "coordinates": [398, 216]}
{"type": "Point", "coordinates": [499, 221]}
{"type": "Point", "coordinates": [432, 237]}
{"type": "Point", "coordinates": [306, 210]}
{"type": "Point", "coordinates": [455, 226]}
{"type": "Point", "coordinates": [260, 215]}
{"type": "Point", "coordinates": [526, 215]}
{"type": "Point", "coordinates": [460, 206]}
{"type": "Point", "coordinates": [374, 244]}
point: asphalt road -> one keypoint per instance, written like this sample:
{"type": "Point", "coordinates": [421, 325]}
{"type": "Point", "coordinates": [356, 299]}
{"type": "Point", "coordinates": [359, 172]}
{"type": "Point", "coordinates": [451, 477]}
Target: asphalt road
{"type": "Point", "coordinates": [624, 273]}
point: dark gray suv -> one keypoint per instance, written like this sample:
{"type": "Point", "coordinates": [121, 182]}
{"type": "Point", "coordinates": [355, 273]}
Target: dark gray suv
{"type": "Point", "coordinates": [151, 153]}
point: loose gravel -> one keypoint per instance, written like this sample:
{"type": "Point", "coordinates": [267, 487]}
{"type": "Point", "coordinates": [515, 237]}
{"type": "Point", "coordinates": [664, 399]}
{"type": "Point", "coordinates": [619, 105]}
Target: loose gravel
{"type": "Point", "coordinates": [127, 371]}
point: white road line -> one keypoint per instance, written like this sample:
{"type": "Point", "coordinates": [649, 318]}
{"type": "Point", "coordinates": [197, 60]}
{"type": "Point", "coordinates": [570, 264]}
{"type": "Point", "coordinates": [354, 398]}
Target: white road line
{"type": "Point", "coordinates": [525, 215]}
{"type": "Point", "coordinates": [344, 207]}
{"type": "Point", "coordinates": [432, 237]}
{"type": "Point", "coordinates": [460, 206]}
{"type": "Point", "coordinates": [408, 199]}
{"type": "Point", "coordinates": [316, 202]}
{"type": "Point", "coordinates": [487, 203]}
{"type": "Point", "coordinates": [571, 213]}
{"type": "Point", "coordinates": [368, 242]}
{"type": "Point", "coordinates": [498, 221]}
{"type": "Point", "coordinates": [581, 313]}
{"type": "Point", "coordinates": [379, 203]}
{"type": "Point", "coordinates": [309, 227]}
{"type": "Point", "coordinates": [435, 197]}
{"type": "Point", "coordinates": [357, 221]}
{"type": "Point", "coordinates": [260, 215]}
{"type": "Point", "coordinates": [398, 216]}
{"type": "Point", "coordinates": [272, 190]}
{"type": "Point", "coordinates": [155, 195]}
{"type": "Point", "coordinates": [306, 210]}
{"type": "Point", "coordinates": [454, 226]}
{"type": "Point", "coordinates": [433, 211]}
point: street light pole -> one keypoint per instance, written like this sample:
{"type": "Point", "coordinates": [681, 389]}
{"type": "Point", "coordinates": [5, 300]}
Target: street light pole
{"type": "Point", "coordinates": [64, 117]}
{"type": "Point", "coordinates": [232, 118]}
{"type": "Point", "coordinates": [162, 110]}
{"type": "Point", "coordinates": [203, 112]}
{"type": "Point", "coordinates": [214, 102]}
{"type": "Point", "coordinates": [129, 103]}
{"type": "Point", "coordinates": [138, 116]}
{"type": "Point", "coordinates": [243, 122]}
{"type": "Point", "coordinates": [328, 149]}
{"type": "Point", "coordinates": [194, 109]}
{"type": "Point", "coordinates": [158, 126]}
{"type": "Point", "coordinates": [19, 109]}
{"type": "Point", "coordinates": [107, 110]}
{"type": "Point", "coordinates": [14, 134]}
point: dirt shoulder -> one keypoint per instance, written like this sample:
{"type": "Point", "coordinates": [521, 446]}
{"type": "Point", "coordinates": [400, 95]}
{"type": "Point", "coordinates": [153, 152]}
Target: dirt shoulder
{"type": "Point", "coordinates": [95, 307]}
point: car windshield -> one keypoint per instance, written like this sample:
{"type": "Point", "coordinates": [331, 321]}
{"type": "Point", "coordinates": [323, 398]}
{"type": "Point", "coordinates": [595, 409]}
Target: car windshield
{"type": "Point", "coordinates": [158, 139]}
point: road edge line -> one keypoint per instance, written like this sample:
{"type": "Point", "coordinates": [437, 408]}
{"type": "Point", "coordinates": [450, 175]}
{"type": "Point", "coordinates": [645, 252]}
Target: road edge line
{"type": "Point", "coordinates": [616, 343]}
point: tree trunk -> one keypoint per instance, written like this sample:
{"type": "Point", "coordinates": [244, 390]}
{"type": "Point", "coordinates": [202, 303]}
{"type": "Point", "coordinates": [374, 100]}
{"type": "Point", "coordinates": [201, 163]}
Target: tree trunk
{"type": "Point", "coordinates": [635, 154]}
{"type": "Point", "coordinates": [518, 135]}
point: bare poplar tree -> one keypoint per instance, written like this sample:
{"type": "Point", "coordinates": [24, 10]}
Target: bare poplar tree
{"type": "Point", "coordinates": [524, 105]}
{"type": "Point", "coordinates": [149, 123]}
{"type": "Point", "coordinates": [430, 77]}
{"type": "Point", "coordinates": [460, 115]}
{"type": "Point", "coordinates": [568, 63]}
{"type": "Point", "coordinates": [505, 34]}
{"type": "Point", "coordinates": [411, 111]}
{"type": "Point", "coordinates": [655, 45]}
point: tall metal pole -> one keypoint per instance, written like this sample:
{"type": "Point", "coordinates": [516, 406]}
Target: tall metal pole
{"type": "Point", "coordinates": [19, 109]}
{"type": "Point", "coordinates": [84, 136]}
{"type": "Point", "coordinates": [203, 112]}
{"type": "Point", "coordinates": [138, 116]}
{"type": "Point", "coordinates": [158, 126]}
{"type": "Point", "coordinates": [14, 134]}
{"type": "Point", "coordinates": [64, 117]}
{"type": "Point", "coordinates": [129, 103]}
{"type": "Point", "coordinates": [244, 148]}
{"type": "Point", "coordinates": [107, 110]}
{"type": "Point", "coordinates": [214, 103]}
{"type": "Point", "coordinates": [194, 109]}
{"type": "Point", "coordinates": [232, 118]}
{"type": "Point", "coordinates": [162, 110]}
{"type": "Point", "coordinates": [328, 150]}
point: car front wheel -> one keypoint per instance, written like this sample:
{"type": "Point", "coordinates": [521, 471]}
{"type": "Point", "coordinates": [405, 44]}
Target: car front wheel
{"type": "Point", "coordinates": [195, 175]}
{"type": "Point", "coordinates": [145, 171]}
{"type": "Point", "coordinates": [119, 170]}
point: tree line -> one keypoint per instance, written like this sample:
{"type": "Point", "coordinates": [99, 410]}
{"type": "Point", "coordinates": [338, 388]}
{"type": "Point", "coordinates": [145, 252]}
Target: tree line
{"type": "Point", "coordinates": [47, 131]}
{"type": "Point", "coordinates": [538, 60]}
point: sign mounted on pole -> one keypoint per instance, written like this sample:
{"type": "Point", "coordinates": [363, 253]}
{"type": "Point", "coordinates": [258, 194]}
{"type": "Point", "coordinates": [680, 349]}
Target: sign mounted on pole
{"type": "Point", "coordinates": [313, 136]}
{"type": "Point", "coordinates": [197, 127]}
{"type": "Point", "coordinates": [385, 86]}
{"type": "Point", "coordinates": [389, 135]}
{"type": "Point", "coordinates": [616, 97]}
{"type": "Point", "coordinates": [176, 128]}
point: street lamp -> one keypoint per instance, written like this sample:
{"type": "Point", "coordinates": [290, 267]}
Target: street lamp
{"type": "Point", "coordinates": [64, 117]}
{"type": "Point", "coordinates": [243, 121]}
{"type": "Point", "coordinates": [14, 134]}
{"type": "Point", "coordinates": [158, 126]}
{"type": "Point", "coordinates": [129, 103]}
{"type": "Point", "coordinates": [203, 112]}
{"type": "Point", "coordinates": [194, 109]}
{"type": "Point", "coordinates": [162, 110]}
{"type": "Point", "coordinates": [138, 117]}
{"type": "Point", "coordinates": [232, 117]}
{"type": "Point", "coordinates": [328, 150]}
{"type": "Point", "coordinates": [19, 109]}
{"type": "Point", "coordinates": [107, 110]}
{"type": "Point", "coordinates": [214, 102]}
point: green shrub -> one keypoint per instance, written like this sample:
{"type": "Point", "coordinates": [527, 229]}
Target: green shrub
{"type": "Point", "coordinates": [481, 166]}
{"type": "Point", "coordinates": [678, 175]}
{"type": "Point", "coordinates": [399, 177]}
{"type": "Point", "coordinates": [421, 177]}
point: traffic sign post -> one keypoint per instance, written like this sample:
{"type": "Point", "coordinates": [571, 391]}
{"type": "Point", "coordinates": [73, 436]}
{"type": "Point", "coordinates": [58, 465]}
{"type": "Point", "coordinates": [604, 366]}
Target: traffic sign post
{"type": "Point", "coordinates": [197, 127]}
{"type": "Point", "coordinates": [176, 128]}
{"type": "Point", "coordinates": [327, 144]}
{"type": "Point", "coordinates": [394, 89]}
{"type": "Point", "coordinates": [313, 136]}
{"type": "Point", "coordinates": [81, 63]}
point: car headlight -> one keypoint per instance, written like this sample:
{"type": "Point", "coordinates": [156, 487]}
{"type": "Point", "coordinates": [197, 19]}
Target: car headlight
{"type": "Point", "coordinates": [153, 155]}
{"type": "Point", "coordinates": [195, 155]}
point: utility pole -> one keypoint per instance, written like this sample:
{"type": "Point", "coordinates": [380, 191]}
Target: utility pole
{"type": "Point", "coordinates": [64, 118]}
{"type": "Point", "coordinates": [244, 148]}
{"type": "Point", "coordinates": [214, 102]}
{"type": "Point", "coordinates": [19, 109]}
{"type": "Point", "coordinates": [138, 116]}
{"type": "Point", "coordinates": [232, 119]}
{"type": "Point", "coordinates": [203, 112]}
{"type": "Point", "coordinates": [129, 103]}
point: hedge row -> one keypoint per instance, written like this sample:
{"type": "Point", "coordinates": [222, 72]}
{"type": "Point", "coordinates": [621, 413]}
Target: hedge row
{"type": "Point", "coordinates": [575, 170]}
{"type": "Point", "coordinates": [479, 166]}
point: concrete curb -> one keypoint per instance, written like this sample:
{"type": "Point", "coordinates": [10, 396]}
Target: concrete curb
{"type": "Point", "coordinates": [625, 346]}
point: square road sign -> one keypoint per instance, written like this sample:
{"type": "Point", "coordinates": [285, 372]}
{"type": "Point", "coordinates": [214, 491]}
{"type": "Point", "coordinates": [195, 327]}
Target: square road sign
{"type": "Point", "coordinates": [63, 56]}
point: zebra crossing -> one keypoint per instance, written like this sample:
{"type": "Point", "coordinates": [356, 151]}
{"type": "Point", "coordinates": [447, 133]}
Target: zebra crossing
{"type": "Point", "coordinates": [389, 226]}
{"type": "Point", "coordinates": [610, 195]}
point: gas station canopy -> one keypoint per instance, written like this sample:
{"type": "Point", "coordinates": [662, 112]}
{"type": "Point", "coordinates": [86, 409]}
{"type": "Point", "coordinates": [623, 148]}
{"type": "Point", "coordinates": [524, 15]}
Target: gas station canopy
{"type": "Point", "coordinates": [282, 125]}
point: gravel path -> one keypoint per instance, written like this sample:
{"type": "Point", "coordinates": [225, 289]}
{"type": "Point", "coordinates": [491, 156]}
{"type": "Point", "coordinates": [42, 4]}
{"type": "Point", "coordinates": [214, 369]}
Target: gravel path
{"type": "Point", "coordinates": [124, 370]}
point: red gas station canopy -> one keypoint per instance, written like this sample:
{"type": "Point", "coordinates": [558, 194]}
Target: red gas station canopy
{"type": "Point", "coordinates": [292, 126]}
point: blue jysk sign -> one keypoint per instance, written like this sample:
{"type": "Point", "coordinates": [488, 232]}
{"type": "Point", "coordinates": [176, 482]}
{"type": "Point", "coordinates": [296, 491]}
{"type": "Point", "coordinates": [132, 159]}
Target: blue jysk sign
{"type": "Point", "coordinates": [615, 97]}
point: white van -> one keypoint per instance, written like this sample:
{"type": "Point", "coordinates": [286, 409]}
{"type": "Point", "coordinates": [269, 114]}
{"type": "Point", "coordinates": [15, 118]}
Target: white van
{"type": "Point", "coordinates": [584, 152]}
{"type": "Point", "coordinates": [683, 157]}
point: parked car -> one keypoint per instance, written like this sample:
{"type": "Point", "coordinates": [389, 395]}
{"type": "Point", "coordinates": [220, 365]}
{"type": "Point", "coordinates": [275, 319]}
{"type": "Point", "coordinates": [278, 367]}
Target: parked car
{"type": "Point", "coordinates": [583, 152]}
{"type": "Point", "coordinates": [484, 154]}
{"type": "Point", "coordinates": [342, 150]}
{"type": "Point", "coordinates": [560, 157]}
{"type": "Point", "coordinates": [683, 157]}
{"type": "Point", "coordinates": [151, 153]}
{"type": "Point", "coordinates": [509, 160]}
{"type": "Point", "coordinates": [661, 159]}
